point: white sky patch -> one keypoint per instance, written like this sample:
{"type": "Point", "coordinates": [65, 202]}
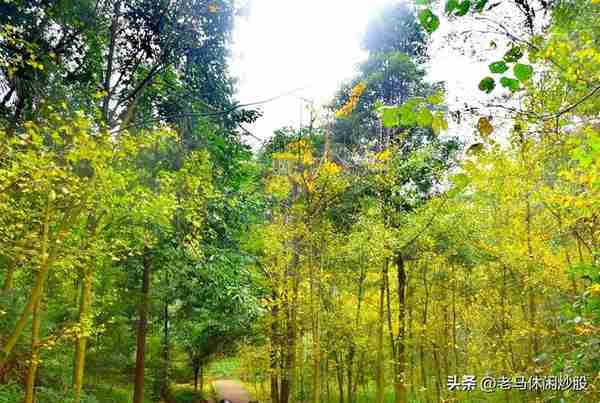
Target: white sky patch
{"type": "Point", "coordinates": [314, 45]}
{"type": "Point", "coordinates": [284, 45]}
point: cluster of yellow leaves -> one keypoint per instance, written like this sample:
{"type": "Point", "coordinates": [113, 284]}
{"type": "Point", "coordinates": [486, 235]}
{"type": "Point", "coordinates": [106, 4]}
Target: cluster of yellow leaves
{"type": "Point", "coordinates": [384, 156]}
{"type": "Point", "coordinates": [299, 152]}
{"type": "Point", "coordinates": [329, 168]}
{"type": "Point", "coordinates": [349, 107]}
{"type": "Point", "coordinates": [594, 289]}
{"type": "Point", "coordinates": [585, 329]}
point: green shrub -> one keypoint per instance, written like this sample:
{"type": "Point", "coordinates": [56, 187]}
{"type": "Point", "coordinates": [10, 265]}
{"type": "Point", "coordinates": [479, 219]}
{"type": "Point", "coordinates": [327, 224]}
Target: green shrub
{"type": "Point", "coordinates": [187, 396]}
{"type": "Point", "coordinates": [11, 393]}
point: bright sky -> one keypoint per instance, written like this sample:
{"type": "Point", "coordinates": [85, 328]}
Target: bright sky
{"type": "Point", "coordinates": [314, 45]}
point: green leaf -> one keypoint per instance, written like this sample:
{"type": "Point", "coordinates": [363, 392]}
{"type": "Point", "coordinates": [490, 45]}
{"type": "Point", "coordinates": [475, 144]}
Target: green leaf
{"type": "Point", "coordinates": [390, 117]}
{"type": "Point", "coordinates": [429, 20]}
{"type": "Point", "coordinates": [463, 8]}
{"type": "Point", "coordinates": [408, 116]}
{"type": "Point", "coordinates": [460, 181]}
{"type": "Point", "coordinates": [513, 55]}
{"type": "Point", "coordinates": [424, 117]}
{"type": "Point", "coordinates": [480, 5]}
{"type": "Point", "coordinates": [487, 84]}
{"type": "Point", "coordinates": [510, 83]}
{"type": "Point", "coordinates": [498, 67]}
{"type": "Point", "coordinates": [451, 5]}
{"type": "Point", "coordinates": [436, 99]}
{"type": "Point", "coordinates": [523, 71]}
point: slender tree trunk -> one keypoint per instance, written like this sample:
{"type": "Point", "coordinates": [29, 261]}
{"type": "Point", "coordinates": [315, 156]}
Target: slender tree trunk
{"type": "Point", "coordinates": [82, 336]}
{"type": "Point", "coordinates": [165, 386]}
{"type": "Point", "coordinates": [140, 359]}
{"type": "Point", "coordinates": [410, 335]}
{"type": "Point", "coordinates": [438, 371]}
{"type": "Point", "coordinates": [8, 278]}
{"type": "Point", "coordinates": [400, 359]}
{"type": "Point", "coordinates": [423, 335]}
{"type": "Point", "coordinates": [315, 298]}
{"type": "Point", "coordinates": [327, 386]}
{"type": "Point", "coordinates": [36, 292]}
{"type": "Point", "coordinates": [353, 379]}
{"type": "Point", "coordinates": [379, 377]}
{"type": "Point", "coordinates": [201, 378]}
{"type": "Point", "coordinates": [339, 369]}
{"type": "Point", "coordinates": [350, 375]}
{"type": "Point", "coordinates": [274, 347]}
{"type": "Point", "coordinates": [454, 346]}
{"type": "Point", "coordinates": [33, 366]}
{"type": "Point", "coordinates": [196, 376]}
{"type": "Point", "coordinates": [291, 308]}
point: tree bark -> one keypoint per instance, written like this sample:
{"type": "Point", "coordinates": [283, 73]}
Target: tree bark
{"type": "Point", "coordinates": [81, 342]}
{"type": "Point", "coordinates": [33, 366]}
{"type": "Point", "coordinates": [316, 333]}
{"type": "Point", "coordinates": [340, 376]}
{"type": "Point", "coordinates": [379, 379]}
{"type": "Point", "coordinates": [140, 359]}
{"type": "Point", "coordinates": [196, 376]}
{"type": "Point", "coordinates": [400, 359]}
{"type": "Point", "coordinates": [274, 347]}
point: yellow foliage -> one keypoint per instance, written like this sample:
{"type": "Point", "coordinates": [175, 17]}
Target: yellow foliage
{"type": "Point", "coordinates": [348, 108]}
{"type": "Point", "coordinates": [385, 155]}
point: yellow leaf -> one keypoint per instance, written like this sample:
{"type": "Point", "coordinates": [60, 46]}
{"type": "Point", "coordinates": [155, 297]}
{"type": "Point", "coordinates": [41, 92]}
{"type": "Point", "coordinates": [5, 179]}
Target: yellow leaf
{"type": "Point", "coordinates": [485, 127]}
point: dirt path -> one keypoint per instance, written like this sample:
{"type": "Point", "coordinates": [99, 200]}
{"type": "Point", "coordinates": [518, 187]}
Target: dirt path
{"type": "Point", "coordinates": [233, 391]}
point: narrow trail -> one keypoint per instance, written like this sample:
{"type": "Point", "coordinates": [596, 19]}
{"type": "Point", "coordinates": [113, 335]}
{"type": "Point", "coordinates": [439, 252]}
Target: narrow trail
{"type": "Point", "coordinates": [233, 391]}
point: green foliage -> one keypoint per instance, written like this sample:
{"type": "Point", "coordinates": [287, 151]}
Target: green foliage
{"type": "Point", "coordinates": [513, 55]}
{"type": "Point", "coordinates": [430, 21]}
{"type": "Point", "coordinates": [487, 84]}
{"type": "Point", "coordinates": [187, 396]}
{"type": "Point", "coordinates": [523, 72]}
{"type": "Point", "coordinates": [10, 392]}
{"type": "Point", "coordinates": [498, 67]}
{"type": "Point", "coordinates": [510, 83]}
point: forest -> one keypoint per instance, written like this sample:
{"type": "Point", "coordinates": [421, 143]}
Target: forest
{"type": "Point", "coordinates": [399, 247]}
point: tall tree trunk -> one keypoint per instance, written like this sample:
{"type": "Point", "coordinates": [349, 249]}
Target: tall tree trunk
{"type": "Point", "coordinates": [196, 376]}
{"type": "Point", "coordinates": [81, 341]}
{"type": "Point", "coordinates": [400, 359]}
{"type": "Point", "coordinates": [33, 366]}
{"type": "Point", "coordinates": [201, 378]}
{"type": "Point", "coordinates": [379, 379]}
{"type": "Point", "coordinates": [140, 359]}
{"type": "Point", "coordinates": [315, 298]}
{"type": "Point", "coordinates": [274, 348]}
{"type": "Point", "coordinates": [423, 335]}
{"type": "Point", "coordinates": [350, 375]}
{"type": "Point", "coordinates": [353, 379]}
{"type": "Point", "coordinates": [164, 382]}
{"type": "Point", "coordinates": [291, 308]}
{"type": "Point", "coordinates": [339, 369]}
